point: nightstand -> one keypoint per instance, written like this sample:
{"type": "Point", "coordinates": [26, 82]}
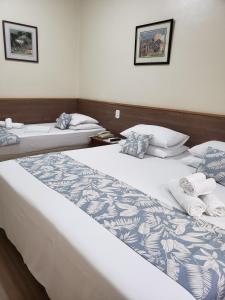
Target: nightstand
{"type": "Point", "coordinates": [96, 141]}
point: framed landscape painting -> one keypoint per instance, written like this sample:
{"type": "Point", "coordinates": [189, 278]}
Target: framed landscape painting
{"type": "Point", "coordinates": [20, 41]}
{"type": "Point", "coordinates": [153, 43]}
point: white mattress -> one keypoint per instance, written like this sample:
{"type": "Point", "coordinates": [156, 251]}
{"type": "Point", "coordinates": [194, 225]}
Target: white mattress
{"type": "Point", "coordinates": [73, 256]}
{"type": "Point", "coordinates": [32, 141]}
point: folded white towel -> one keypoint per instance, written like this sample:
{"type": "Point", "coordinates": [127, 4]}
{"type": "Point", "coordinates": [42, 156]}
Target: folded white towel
{"type": "Point", "coordinates": [214, 206]}
{"type": "Point", "coordinates": [14, 125]}
{"type": "Point", "coordinates": [197, 184]}
{"type": "Point", "coordinates": [192, 205]}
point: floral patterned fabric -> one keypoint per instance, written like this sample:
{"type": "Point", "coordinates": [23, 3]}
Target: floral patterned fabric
{"type": "Point", "coordinates": [190, 251]}
{"type": "Point", "coordinates": [63, 121]}
{"type": "Point", "coordinates": [136, 144]}
{"type": "Point", "coordinates": [213, 165]}
{"type": "Point", "coordinates": [7, 138]}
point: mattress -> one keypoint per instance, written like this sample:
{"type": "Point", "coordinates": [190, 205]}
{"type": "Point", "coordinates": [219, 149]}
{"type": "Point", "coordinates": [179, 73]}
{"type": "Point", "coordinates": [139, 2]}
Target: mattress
{"type": "Point", "coordinates": [73, 256]}
{"type": "Point", "coordinates": [33, 140]}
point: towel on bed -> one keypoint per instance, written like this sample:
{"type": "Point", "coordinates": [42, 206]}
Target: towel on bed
{"type": "Point", "coordinates": [197, 184]}
{"type": "Point", "coordinates": [194, 206]}
{"type": "Point", "coordinates": [214, 206]}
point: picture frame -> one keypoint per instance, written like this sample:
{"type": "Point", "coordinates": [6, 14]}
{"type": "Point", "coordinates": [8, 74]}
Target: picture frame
{"type": "Point", "coordinates": [153, 43]}
{"type": "Point", "coordinates": [20, 42]}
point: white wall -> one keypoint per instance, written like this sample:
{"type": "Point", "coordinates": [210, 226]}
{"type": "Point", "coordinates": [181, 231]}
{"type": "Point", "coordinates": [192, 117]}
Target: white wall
{"type": "Point", "coordinates": [56, 75]}
{"type": "Point", "coordinates": [94, 58]}
{"type": "Point", "coordinates": [195, 79]}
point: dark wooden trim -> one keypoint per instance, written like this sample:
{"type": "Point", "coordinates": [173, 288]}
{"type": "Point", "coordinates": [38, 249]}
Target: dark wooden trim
{"type": "Point", "coordinates": [4, 39]}
{"type": "Point", "coordinates": [200, 126]}
{"type": "Point", "coordinates": [38, 110]}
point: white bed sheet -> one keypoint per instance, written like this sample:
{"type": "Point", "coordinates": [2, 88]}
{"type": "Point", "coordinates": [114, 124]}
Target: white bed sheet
{"type": "Point", "coordinates": [32, 141]}
{"type": "Point", "coordinates": [73, 256]}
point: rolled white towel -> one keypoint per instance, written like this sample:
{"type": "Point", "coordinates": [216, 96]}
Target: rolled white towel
{"type": "Point", "coordinates": [8, 123]}
{"type": "Point", "coordinates": [197, 184]}
{"type": "Point", "coordinates": [202, 188]}
{"type": "Point", "coordinates": [193, 178]}
{"type": "Point", "coordinates": [192, 205]}
{"type": "Point", "coordinates": [214, 206]}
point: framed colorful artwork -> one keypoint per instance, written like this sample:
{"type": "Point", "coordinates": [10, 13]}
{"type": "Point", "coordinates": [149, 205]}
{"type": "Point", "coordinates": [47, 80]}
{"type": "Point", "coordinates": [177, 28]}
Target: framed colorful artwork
{"type": "Point", "coordinates": [153, 43]}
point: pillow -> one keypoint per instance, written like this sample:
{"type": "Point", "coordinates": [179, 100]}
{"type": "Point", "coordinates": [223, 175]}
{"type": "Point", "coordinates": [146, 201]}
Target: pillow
{"type": "Point", "coordinates": [135, 144]}
{"type": "Point", "coordinates": [192, 161]}
{"type": "Point", "coordinates": [7, 138]}
{"type": "Point", "coordinates": [201, 149]}
{"type": "Point", "coordinates": [86, 127]}
{"type": "Point", "coordinates": [63, 121]}
{"type": "Point", "coordinates": [77, 119]}
{"type": "Point", "coordinates": [166, 152]}
{"type": "Point", "coordinates": [162, 137]}
{"type": "Point", "coordinates": [213, 165]}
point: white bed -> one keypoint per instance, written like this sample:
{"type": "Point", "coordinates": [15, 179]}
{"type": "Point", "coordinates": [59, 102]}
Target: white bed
{"type": "Point", "coordinates": [72, 255]}
{"type": "Point", "coordinates": [33, 141]}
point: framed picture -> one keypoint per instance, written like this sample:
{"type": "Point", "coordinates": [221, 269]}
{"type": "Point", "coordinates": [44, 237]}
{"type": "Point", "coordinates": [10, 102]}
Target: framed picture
{"type": "Point", "coordinates": [153, 43]}
{"type": "Point", "coordinates": [20, 42]}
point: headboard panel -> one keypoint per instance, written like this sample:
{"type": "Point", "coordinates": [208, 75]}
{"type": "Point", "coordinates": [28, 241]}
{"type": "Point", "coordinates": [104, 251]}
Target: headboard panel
{"type": "Point", "coordinates": [200, 126]}
{"type": "Point", "coordinates": [36, 110]}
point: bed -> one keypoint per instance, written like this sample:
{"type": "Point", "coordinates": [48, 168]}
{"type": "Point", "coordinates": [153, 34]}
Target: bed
{"type": "Point", "coordinates": [70, 253]}
{"type": "Point", "coordinates": [51, 139]}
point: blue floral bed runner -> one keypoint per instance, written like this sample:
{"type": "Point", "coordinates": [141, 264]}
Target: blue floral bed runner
{"type": "Point", "coordinates": [190, 251]}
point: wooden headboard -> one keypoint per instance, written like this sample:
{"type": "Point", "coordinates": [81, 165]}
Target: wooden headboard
{"type": "Point", "coordinates": [32, 111]}
{"type": "Point", "coordinates": [200, 126]}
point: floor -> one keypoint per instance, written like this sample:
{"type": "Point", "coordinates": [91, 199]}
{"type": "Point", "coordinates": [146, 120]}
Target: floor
{"type": "Point", "coordinates": [16, 282]}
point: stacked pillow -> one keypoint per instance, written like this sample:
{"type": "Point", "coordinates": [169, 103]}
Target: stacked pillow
{"type": "Point", "coordinates": [83, 122]}
{"type": "Point", "coordinates": [164, 142]}
{"type": "Point", "coordinates": [76, 122]}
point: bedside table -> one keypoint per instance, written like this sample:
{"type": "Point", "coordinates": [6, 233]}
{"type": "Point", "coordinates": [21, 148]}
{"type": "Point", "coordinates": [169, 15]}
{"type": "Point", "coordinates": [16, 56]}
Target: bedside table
{"type": "Point", "coordinates": [95, 141]}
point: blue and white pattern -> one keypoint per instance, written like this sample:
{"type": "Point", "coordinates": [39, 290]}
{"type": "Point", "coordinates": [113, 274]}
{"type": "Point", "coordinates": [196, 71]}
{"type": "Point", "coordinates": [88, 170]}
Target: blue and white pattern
{"type": "Point", "coordinates": [190, 251]}
{"type": "Point", "coordinates": [63, 121]}
{"type": "Point", "coordinates": [136, 144]}
{"type": "Point", "coordinates": [213, 165]}
{"type": "Point", "coordinates": [8, 138]}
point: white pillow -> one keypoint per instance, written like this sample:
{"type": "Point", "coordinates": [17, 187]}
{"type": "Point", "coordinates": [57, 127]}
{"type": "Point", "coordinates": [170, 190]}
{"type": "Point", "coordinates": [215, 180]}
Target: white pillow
{"type": "Point", "coordinates": [200, 150]}
{"type": "Point", "coordinates": [81, 119]}
{"type": "Point", "coordinates": [85, 127]}
{"type": "Point", "coordinates": [162, 137]}
{"type": "Point", "coordinates": [192, 161]}
{"type": "Point", "coordinates": [166, 152]}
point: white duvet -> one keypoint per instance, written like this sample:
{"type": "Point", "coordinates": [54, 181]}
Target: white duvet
{"type": "Point", "coordinates": [73, 256]}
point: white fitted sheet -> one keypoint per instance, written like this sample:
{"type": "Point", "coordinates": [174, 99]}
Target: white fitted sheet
{"type": "Point", "coordinates": [32, 141]}
{"type": "Point", "coordinates": [73, 256]}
